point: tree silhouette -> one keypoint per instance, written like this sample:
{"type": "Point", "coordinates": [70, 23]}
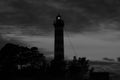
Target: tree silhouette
{"type": "Point", "coordinates": [31, 58]}
{"type": "Point", "coordinates": [13, 56]}
{"type": "Point", "coordinates": [79, 68]}
{"type": "Point", "coordinates": [8, 57]}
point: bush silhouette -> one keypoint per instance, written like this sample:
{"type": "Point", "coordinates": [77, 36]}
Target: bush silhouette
{"type": "Point", "coordinates": [79, 68]}
{"type": "Point", "coordinates": [12, 56]}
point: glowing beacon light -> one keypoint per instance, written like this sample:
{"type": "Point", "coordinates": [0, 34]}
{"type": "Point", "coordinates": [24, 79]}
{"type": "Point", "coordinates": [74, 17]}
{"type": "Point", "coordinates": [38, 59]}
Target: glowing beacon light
{"type": "Point", "coordinates": [59, 17]}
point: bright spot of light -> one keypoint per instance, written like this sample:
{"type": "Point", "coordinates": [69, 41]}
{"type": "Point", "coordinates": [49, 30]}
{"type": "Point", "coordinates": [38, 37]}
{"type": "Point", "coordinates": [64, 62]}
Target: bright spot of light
{"type": "Point", "coordinates": [58, 17]}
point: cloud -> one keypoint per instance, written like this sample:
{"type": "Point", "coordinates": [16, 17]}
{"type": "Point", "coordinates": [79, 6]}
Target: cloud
{"type": "Point", "coordinates": [33, 17]}
{"type": "Point", "coordinates": [79, 15]}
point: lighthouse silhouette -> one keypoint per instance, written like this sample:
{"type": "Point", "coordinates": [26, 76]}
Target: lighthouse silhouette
{"type": "Point", "coordinates": [59, 39]}
{"type": "Point", "coordinates": [58, 63]}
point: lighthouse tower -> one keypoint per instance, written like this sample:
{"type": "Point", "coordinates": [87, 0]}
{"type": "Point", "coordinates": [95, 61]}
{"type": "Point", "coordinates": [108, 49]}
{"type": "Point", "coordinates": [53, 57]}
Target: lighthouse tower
{"type": "Point", "coordinates": [58, 63]}
{"type": "Point", "coordinates": [59, 39]}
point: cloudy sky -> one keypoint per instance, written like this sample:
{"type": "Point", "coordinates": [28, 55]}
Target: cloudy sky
{"type": "Point", "coordinates": [92, 27]}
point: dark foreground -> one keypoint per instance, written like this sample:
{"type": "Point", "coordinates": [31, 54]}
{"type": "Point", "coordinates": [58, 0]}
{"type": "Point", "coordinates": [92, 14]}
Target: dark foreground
{"type": "Point", "coordinates": [32, 76]}
{"type": "Point", "coordinates": [48, 76]}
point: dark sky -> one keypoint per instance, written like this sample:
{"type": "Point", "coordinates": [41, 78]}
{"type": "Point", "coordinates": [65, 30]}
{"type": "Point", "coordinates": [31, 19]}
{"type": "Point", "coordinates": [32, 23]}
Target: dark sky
{"type": "Point", "coordinates": [82, 14]}
{"type": "Point", "coordinates": [92, 24]}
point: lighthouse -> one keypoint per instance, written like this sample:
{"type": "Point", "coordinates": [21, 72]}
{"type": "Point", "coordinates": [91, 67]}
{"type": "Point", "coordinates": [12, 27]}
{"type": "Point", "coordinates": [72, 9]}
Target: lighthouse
{"type": "Point", "coordinates": [59, 39]}
{"type": "Point", "coordinates": [58, 63]}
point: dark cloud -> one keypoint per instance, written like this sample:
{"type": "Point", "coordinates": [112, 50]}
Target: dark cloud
{"type": "Point", "coordinates": [104, 9]}
{"type": "Point", "coordinates": [79, 15]}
